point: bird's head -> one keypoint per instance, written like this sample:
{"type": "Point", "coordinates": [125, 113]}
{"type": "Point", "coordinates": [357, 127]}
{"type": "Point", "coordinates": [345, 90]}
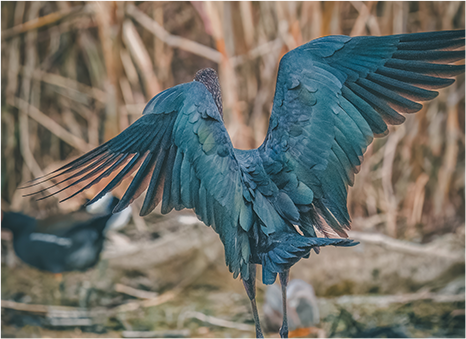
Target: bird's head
{"type": "Point", "coordinates": [17, 222]}
{"type": "Point", "coordinates": [7, 235]}
{"type": "Point", "coordinates": [209, 78]}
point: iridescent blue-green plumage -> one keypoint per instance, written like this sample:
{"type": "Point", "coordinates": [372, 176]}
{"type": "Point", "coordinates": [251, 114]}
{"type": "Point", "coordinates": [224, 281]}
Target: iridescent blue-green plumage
{"type": "Point", "coordinates": [333, 96]}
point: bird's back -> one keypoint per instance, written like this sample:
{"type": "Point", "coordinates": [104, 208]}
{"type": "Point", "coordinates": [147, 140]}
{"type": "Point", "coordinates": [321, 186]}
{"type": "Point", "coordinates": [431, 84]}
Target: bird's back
{"type": "Point", "coordinates": [278, 237]}
{"type": "Point", "coordinates": [60, 243]}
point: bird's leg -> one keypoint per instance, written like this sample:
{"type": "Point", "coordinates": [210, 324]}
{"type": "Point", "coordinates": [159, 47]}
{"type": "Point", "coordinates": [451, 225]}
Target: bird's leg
{"type": "Point", "coordinates": [61, 286]}
{"type": "Point", "coordinates": [284, 276]}
{"type": "Point", "coordinates": [250, 287]}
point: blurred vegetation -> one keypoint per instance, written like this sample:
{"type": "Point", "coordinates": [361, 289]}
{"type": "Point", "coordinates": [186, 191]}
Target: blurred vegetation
{"type": "Point", "coordinates": [75, 74]}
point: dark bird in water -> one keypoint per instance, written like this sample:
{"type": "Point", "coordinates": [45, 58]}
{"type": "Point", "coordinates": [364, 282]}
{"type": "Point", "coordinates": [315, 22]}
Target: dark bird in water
{"type": "Point", "coordinates": [67, 242]}
{"type": "Point", "coordinates": [333, 96]}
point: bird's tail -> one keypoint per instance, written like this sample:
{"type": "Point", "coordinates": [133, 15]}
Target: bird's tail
{"type": "Point", "coordinates": [290, 249]}
{"type": "Point", "coordinates": [105, 206]}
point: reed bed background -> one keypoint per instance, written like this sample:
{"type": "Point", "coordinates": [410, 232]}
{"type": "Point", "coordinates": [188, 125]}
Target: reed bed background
{"type": "Point", "coordinates": [75, 74]}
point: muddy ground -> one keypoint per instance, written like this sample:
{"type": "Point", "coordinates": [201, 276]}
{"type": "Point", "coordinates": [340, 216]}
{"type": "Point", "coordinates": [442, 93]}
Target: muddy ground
{"type": "Point", "coordinates": [359, 294]}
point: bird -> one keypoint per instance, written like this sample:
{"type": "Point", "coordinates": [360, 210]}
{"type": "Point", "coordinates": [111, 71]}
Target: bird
{"type": "Point", "coordinates": [64, 242]}
{"type": "Point", "coordinates": [105, 206]}
{"type": "Point", "coordinates": [303, 309]}
{"type": "Point", "coordinates": [333, 96]}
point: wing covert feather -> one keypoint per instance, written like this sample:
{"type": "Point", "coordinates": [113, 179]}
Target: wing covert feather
{"type": "Point", "coordinates": [183, 157]}
{"type": "Point", "coordinates": [335, 94]}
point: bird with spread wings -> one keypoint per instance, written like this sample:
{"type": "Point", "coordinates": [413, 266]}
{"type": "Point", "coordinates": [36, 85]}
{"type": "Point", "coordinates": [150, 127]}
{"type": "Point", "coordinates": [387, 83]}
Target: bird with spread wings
{"type": "Point", "coordinates": [333, 96]}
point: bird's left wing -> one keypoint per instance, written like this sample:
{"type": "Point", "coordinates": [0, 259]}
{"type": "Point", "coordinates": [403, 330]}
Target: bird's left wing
{"type": "Point", "coordinates": [184, 158]}
{"type": "Point", "coordinates": [333, 95]}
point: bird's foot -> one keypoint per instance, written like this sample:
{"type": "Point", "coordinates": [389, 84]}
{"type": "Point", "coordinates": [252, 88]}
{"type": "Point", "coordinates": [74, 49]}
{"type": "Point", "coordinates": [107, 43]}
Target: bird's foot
{"type": "Point", "coordinates": [284, 331]}
{"type": "Point", "coordinates": [84, 293]}
{"type": "Point", "coordinates": [306, 332]}
{"type": "Point", "coordinates": [259, 332]}
{"type": "Point", "coordinates": [59, 279]}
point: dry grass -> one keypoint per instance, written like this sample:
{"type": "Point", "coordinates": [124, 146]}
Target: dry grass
{"type": "Point", "coordinates": [75, 74]}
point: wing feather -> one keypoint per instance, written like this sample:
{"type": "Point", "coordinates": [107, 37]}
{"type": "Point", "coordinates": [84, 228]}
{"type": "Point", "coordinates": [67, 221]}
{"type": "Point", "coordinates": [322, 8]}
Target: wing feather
{"type": "Point", "coordinates": [183, 158]}
{"type": "Point", "coordinates": [355, 87]}
{"type": "Point", "coordinates": [333, 96]}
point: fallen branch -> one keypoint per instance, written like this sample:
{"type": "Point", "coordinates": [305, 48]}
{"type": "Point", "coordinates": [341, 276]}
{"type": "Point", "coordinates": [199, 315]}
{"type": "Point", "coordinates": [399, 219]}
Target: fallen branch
{"type": "Point", "coordinates": [70, 322]}
{"type": "Point", "coordinates": [53, 310]}
{"type": "Point", "coordinates": [170, 246]}
{"type": "Point", "coordinates": [157, 334]}
{"type": "Point", "coordinates": [135, 292]}
{"type": "Point", "coordinates": [430, 249]}
{"type": "Point", "coordinates": [133, 306]}
{"type": "Point", "coordinates": [385, 300]}
{"type": "Point", "coordinates": [163, 298]}
{"type": "Point", "coordinates": [61, 315]}
{"type": "Point", "coordinates": [217, 321]}
{"type": "Point", "coordinates": [32, 308]}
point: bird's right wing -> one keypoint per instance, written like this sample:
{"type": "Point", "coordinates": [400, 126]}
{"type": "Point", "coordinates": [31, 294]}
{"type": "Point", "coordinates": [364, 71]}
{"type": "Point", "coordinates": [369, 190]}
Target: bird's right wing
{"type": "Point", "coordinates": [333, 95]}
{"type": "Point", "coordinates": [184, 158]}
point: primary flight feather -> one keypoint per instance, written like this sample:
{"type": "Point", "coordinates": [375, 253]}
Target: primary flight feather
{"type": "Point", "coordinates": [333, 96]}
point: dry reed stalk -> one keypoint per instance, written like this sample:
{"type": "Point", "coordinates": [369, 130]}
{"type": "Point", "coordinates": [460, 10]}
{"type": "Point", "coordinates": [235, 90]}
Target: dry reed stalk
{"type": "Point", "coordinates": [418, 203]}
{"type": "Point", "coordinates": [240, 134]}
{"type": "Point", "coordinates": [247, 22]}
{"type": "Point", "coordinates": [172, 40]}
{"type": "Point", "coordinates": [68, 83]}
{"type": "Point", "coordinates": [108, 24]}
{"type": "Point", "coordinates": [365, 18]}
{"type": "Point", "coordinates": [80, 75]}
{"type": "Point", "coordinates": [52, 126]}
{"type": "Point", "coordinates": [163, 53]}
{"type": "Point", "coordinates": [136, 47]}
{"type": "Point", "coordinates": [36, 23]}
{"type": "Point", "coordinates": [387, 170]}
{"type": "Point", "coordinates": [449, 163]}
